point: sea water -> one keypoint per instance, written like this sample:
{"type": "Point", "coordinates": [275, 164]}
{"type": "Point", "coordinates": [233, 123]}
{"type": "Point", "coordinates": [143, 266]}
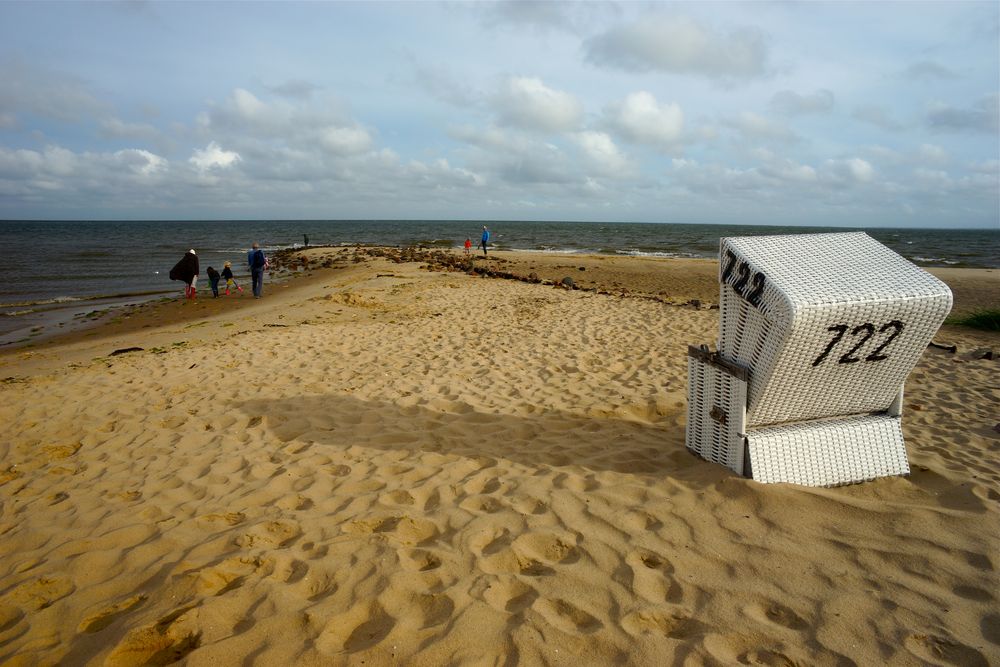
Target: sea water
{"type": "Point", "coordinates": [48, 263]}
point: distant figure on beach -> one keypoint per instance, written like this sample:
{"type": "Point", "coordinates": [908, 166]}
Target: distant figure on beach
{"type": "Point", "coordinates": [213, 281]}
{"type": "Point", "coordinates": [186, 270]}
{"type": "Point", "coordinates": [484, 240]}
{"type": "Point", "coordinates": [257, 262]}
{"type": "Point", "coordinates": [227, 273]}
{"type": "Point", "coordinates": [468, 246]}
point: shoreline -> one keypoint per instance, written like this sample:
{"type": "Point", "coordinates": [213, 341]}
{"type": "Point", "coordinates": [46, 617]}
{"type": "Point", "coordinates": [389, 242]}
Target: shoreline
{"type": "Point", "coordinates": [673, 281]}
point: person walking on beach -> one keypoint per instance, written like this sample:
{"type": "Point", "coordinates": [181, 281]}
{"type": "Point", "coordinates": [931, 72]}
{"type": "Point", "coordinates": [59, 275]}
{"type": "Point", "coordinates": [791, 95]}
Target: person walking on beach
{"type": "Point", "coordinates": [227, 273]}
{"type": "Point", "coordinates": [213, 281]}
{"type": "Point", "coordinates": [484, 240]}
{"type": "Point", "coordinates": [256, 260]}
{"type": "Point", "coordinates": [186, 270]}
{"type": "Point", "coordinates": [468, 246]}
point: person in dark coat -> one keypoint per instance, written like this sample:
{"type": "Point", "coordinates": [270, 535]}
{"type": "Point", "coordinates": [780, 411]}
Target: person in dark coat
{"type": "Point", "coordinates": [186, 270]}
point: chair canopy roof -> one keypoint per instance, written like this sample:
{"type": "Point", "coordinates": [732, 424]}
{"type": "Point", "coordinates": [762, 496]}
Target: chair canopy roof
{"type": "Point", "coordinates": [825, 269]}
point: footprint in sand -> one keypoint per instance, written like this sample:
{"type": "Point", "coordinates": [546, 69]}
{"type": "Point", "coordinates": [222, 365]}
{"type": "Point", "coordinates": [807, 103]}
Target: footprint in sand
{"type": "Point", "coordinates": [167, 641]}
{"type": "Point", "coordinates": [529, 555]}
{"type": "Point", "coordinates": [338, 470]}
{"type": "Point", "coordinates": [228, 519]}
{"type": "Point", "coordinates": [548, 547]}
{"type": "Point", "coordinates": [651, 577]}
{"type": "Point", "coordinates": [9, 617]}
{"type": "Point", "coordinates": [418, 560]}
{"type": "Point", "coordinates": [673, 624]}
{"type": "Point", "coordinates": [489, 542]}
{"type": "Point", "coordinates": [42, 592]}
{"type": "Point", "coordinates": [429, 609]}
{"type": "Point", "coordinates": [567, 617]}
{"type": "Point", "coordinates": [404, 529]}
{"type": "Point", "coordinates": [356, 630]}
{"type": "Point", "coordinates": [509, 594]}
{"type": "Point", "coordinates": [296, 502]}
{"type": "Point", "coordinates": [936, 650]}
{"type": "Point", "coordinates": [289, 570]}
{"type": "Point", "coordinates": [226, 576]}
{"type": "Point", "coordinates": [771, 612]}
{"type": "Point", "coordinates": [105, 617]}
{"type": "Point", "coordinates": [766, 658]}
{"type": "Point", "coordinates": [529, 505]}
{"type": "Point", "coordinates": [398, 498]}
{"type": "Point", "coordinates": [172, 423]}
{"type": "Point", "coordinates": [481, 505]}
{"type": "Point", "coordinates": [55, 452]}
{"type": "Point", "coordinates": [271, 534]}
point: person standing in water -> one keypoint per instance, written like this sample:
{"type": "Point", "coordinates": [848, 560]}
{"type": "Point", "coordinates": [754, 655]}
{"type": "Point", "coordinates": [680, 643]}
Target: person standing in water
{"type": "Point", "coordinates": [484, 240]}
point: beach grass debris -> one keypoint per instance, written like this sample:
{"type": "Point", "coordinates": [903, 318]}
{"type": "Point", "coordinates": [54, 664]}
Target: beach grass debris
{"type": "Point", "coordinates": [987, 319]}
{"type": "Point", "coordinates": [125, 350]}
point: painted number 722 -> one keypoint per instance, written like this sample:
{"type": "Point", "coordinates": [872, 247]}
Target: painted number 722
{"type": "Point", "coordinates": [861, 334]}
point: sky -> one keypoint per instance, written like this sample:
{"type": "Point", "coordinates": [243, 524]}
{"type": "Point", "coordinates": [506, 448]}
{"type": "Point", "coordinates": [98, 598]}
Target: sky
{"type": "Point", "coordinates": [861, 114]}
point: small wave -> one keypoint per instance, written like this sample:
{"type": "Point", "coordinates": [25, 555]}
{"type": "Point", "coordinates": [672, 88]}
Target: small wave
{"type": "Point", "coordinates": [559, 251]}
{"type": "Point", "coordinates": [42, 302]}
{"type": "Point", "coordinates": [74, 299]}
{"type": "Point", "coordinates": [657, 253]}
{"type": "Point", "coordinates": [16, 313]}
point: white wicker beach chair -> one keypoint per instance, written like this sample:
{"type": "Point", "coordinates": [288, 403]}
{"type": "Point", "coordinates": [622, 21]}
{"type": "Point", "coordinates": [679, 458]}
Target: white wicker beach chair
{"type": "Point", "coordinates": [817, 334]}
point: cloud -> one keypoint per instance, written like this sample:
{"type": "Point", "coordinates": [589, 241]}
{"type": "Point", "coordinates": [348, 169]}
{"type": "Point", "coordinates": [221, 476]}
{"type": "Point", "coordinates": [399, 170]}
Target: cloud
{"type": "Point", "coordinates": [141, 162]}
{"type": "Point", "coordinates": [756, 127]}
{"type": "Point", "coordinates": [790, 102]}
{"type": "Point", "coordinates": [520, 159]}
{"type": "Point", "coordinates": [777, 182]}
{"type": "Point", "coordinates": [601, 153]}
{"type": "Point", "coordinates": [545, 15]}
{"type": "Point", "coordinates": [445, 86]}
{"type": "Point", "coordinates": [62, 177]}
{"type": "Point", "coordinates": [848, 171]}
{"type": "Point", "coordinates": [984, 116]}
{"type": "Point", "coordinates": [293, 88]}
{"type": "Point", "coordinates": [680, 45]}
{"type": "Point", "coordinates": [529, 104]}
{"type": "Point", "coordinates": [639, 118]}
{"type": "Point", "coordinates": [32, 89]}
{"type": "Point", "coordinates": [926, 70]}
{"type": "Point", "coordinates": [115, 128]}
{"type": "Point", "coordinates": [538, 14]}
{"type": "Point", "coordinates": [932, 154]}
{"type": "Point", "coordinates": [213, 157]}
{"type": "Point", "coordinates": [877, 116]}
{"type": "Point", "coordinates": [346, 140]}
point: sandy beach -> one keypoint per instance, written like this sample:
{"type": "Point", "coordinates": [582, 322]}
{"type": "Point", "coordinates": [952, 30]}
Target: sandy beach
{"type": "Point", "coordinates": [381, 464]}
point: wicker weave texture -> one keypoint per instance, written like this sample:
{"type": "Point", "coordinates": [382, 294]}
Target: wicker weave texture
{"type": "Point", "coordinates": [812, 269]}
{"type": "Point", "coordinates": [715, 414]}
{"type": "Point", "coordinates": [823, 338]}
{"type": "Point", "coordinates": [828, 453]}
